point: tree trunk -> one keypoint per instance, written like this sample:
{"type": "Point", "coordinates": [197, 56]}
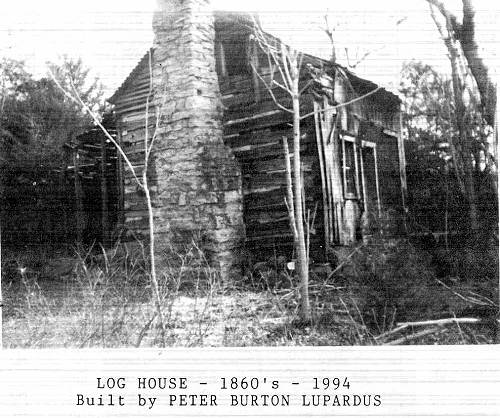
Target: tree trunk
{"type": "Point", "coordinates": [464, 140]}
{"type": "Point", "coordinates": [145, 185]}
{"type": "Point", "coordinates": [289, 192]}
{"type": "Point", "coordinates": [79, 199]}
{"type": "Point", "coordinates": [465, 34]}
{"type": "Point", "coordinates": [63, 236]}
{"type": "Point", "coordinates": [303, 267]}
{"type": "Point", "coordinates": [477, 66]}
{"type": "Point", "coordinates": [104, 195]}
{"type": "Point", "coordinates": [472, 201]}
{"type": "Point", "coordinates": [152, 257]}
{"type": "Point", "coordinates": [464, 157]}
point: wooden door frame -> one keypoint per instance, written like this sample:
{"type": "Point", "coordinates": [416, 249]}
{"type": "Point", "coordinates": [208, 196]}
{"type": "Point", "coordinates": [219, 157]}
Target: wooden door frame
{"type": "Point", "coordinates": [373, 146]}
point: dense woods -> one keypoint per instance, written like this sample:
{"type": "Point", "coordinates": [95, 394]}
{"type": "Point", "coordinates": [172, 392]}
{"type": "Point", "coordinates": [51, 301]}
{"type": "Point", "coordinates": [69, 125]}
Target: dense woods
{"type": "Point", "coordinates": [39, 127]}
{"type": "Point", "coordinates": [435, 161]}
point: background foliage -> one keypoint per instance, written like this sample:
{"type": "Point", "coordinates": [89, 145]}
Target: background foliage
{"type": "Point", "coordinates": [36, 119]}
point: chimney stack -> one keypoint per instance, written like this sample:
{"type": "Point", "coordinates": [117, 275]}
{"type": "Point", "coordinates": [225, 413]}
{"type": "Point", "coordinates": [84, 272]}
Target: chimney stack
{"type": "Point", "coordinates": [199, 192]}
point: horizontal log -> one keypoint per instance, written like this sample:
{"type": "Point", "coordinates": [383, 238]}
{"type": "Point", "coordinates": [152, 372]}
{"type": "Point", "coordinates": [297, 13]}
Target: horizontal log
{"type": "Point", "coordinates": [274, 165]}
{"type": "Point", "coordinates": [137, 108]}
{"type": "Point", "coordinates": [260, 190]}
{"type": "Point", "coordinates": [270, 121]}
{"type": "Point", "coordinates": [286, 236]}
{"type": "Point", "coordinates": [252, 117]}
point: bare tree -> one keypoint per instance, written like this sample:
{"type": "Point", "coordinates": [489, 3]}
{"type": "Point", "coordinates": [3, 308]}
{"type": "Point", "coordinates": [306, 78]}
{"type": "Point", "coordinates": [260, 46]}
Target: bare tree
{"type": "Point", "coordinates": [140, 179]}
{"type": "Point", "coordinates": [360, 55]}
{"type": "Point", "coordinates": [288, 62]}
{"type": "Point", "coordinates": [466, 65]}
{"type": "Point", "coordinates": [464, 34]}
{"type": "Point", "coordinates": [285, 66]}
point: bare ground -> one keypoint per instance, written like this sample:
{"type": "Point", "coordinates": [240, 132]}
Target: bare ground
{"type": "Point", "coordinates": [67, 304]}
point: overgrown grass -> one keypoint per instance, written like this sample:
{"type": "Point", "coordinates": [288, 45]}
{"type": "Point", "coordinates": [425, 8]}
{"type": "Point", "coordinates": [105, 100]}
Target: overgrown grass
{"type": "Point", "coordinates": [392, 282]}
{"type": "Point", "coordinates": [103, 299]}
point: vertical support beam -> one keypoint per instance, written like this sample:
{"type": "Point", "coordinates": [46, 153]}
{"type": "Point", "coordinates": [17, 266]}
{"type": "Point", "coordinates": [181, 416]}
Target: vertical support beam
{"type": "Point", "coordinates": [321, 155]}
{"type": "Point", "coordinates": [356, 169]}
{"type": "Point", "coordinates": [365, 216]}
{"type": "Point", "coordinates": [255, 63]}
{"type": "Point", "coordinates": [329, 124]}
{"type": "Point", "coordinates": [330, 146]}
{"type": "Point", "coordinates": [120, 179]}
{"type": "Point", "coordinates": [402, 171]}
{"type": "Point", "coordinates": [344, 170]}
{"type": "Point", "coordinates": [78, 197]}
{"type": "Point", "coordinates": [379, 207]}
{"type": "Point", "coordinates": [104, 193]}
{"type": "Point", "coordinates": [222, 57]}
{"type": "Point", "coordinates": [363, 180]}
{"type": "Point", "coordinates": [326, 135]}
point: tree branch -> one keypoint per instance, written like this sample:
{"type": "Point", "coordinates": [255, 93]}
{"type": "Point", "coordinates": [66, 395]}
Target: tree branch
{"type": "Point", "coordinates": [285, 56]}
{"type": "Point", "coordinates": [447, 14]}
{"type": "Point", "coordinates": [270, 90]}
{"type": "Point", "coordinates": [303, 89]}
{"type": "Point", "coordinates": [465, 34]}
{"type": "Point", "coordinates": [413, 336]}
{"type": "Point", "coordinates": [271, 52]}
{"type": "Point", "coordinates": [439, 322]}
{"type": "Point", "coordinates": [146, 127]}
{"type": "Point", "coordinates": [329, 32]}
{"type": "Point", "coordinates": [364, 96]}
{"type": "Point", "coordinates": [80, 102]}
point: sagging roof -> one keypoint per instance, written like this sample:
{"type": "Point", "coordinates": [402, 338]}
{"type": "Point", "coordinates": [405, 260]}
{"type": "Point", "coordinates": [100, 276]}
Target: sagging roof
{"type": "Point", "coordinates": [361, 85]}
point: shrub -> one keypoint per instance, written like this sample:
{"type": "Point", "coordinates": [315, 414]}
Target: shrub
{"type": "Point", "coordinates": [391, 281]}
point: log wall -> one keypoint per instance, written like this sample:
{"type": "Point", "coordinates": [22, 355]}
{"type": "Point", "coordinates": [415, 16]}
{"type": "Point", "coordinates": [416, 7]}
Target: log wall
{"type": "Point", "coordinates": [253, 128]}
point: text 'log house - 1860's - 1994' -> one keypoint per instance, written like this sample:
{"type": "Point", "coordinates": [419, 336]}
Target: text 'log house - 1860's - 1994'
{"type": "Point", "coordinates": [218, 167]}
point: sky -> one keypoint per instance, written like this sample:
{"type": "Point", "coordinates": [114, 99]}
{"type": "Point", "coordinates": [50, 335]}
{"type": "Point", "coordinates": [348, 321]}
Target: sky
{"type": "Point", "coordinates": [112, 35]}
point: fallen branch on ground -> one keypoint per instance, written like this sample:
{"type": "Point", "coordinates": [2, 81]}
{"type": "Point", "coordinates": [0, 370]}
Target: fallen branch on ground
{"type": "Point", "coordinates": [413, 336]}
{"type": "Point", "coordinates": [473, 300]}
{"type": "Point", "coordinates": [440, 322]}
{"type": "Point", "coordinates": [483, 299]}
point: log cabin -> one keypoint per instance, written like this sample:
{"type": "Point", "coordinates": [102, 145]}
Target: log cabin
{"type": "Point", "coordinates": [217, 170]}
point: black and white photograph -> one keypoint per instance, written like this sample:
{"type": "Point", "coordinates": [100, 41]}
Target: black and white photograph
{"type": "Point", "coordinates": [208, 174]}
{"type": "Point", "coordinates": [190, 175]}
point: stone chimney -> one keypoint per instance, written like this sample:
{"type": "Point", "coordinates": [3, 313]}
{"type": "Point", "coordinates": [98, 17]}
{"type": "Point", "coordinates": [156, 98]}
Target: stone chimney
{"type": "Point", "coordinates": [199, 192]}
